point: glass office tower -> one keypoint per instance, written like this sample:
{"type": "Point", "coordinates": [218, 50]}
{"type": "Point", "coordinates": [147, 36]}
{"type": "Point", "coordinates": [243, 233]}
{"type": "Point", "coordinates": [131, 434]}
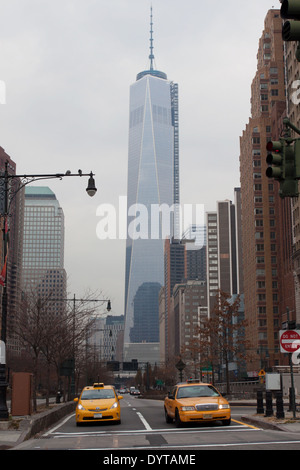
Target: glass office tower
{"type": "Point", "coordinates": [153, 181]}
{"type": "Point", "coordinates": [43, 246]}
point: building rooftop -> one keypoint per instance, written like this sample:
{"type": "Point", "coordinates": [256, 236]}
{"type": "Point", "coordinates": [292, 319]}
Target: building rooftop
{"type": "Point", "coordinates": [39, 192]}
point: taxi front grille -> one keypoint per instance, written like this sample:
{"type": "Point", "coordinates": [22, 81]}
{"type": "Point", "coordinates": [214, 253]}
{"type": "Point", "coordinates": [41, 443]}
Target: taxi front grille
{"type": "Point", "coordinates": [97, 410]}
{"type": "Point", "coordinates": [207, 407]}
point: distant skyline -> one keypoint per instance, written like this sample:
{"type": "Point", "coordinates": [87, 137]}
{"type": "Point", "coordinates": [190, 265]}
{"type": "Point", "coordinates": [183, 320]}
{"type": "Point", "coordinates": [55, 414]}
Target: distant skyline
{"type": "Point", "coordinates": [67, 68]}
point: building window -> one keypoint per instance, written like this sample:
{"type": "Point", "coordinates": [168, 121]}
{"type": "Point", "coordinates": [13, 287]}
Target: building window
{"type": "Point", "coordinates": [260, 247]}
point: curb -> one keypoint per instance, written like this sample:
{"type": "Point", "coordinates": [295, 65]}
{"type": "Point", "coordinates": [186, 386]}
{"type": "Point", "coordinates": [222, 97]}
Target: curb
{"type": "Point", "coordinates": [271, 425]}
{"type": "Point", "coordinates": [35, 424]}
{"type": "Point", "coordinates": [261, 423]}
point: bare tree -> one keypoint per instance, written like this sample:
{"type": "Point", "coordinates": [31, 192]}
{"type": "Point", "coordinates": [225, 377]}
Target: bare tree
{"type": "Point", "coordinates": [53, 337]}
{"type": "Point", "coordinates": [31, 330]}
{"type": "Point", "coordinates": [221, 336]}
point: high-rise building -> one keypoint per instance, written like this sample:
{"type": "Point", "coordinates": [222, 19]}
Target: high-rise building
{"type": "Point", "coordinates": [196, 233]}
{"type": "Point", "coordinates": [175, 271]}
{"type": "Point", "coordinates": [212, 258]}
{"type": "Point", "coordinates": [43, 246]}
{"type": "Point", "coordinates": [227, 247]}
{"type": "Point", "coordinates": [14, 226]}
{"type": "Point", "coordinates": [223, 250]}
{"type": "Point", "coordinates": [260, 201]}
{"type": "Point", "coordinates": [103, 338]}
{"type": "Point", "coordinates": [238, 237]}
{"type": "Point", "coordinates": [290, 209]}
{"type": "Point", "coordinates": [189, 308]}
{"type": "Point", "coordinates": [153, 181]}
{"type": "Point", "coordinates": [196, 262]}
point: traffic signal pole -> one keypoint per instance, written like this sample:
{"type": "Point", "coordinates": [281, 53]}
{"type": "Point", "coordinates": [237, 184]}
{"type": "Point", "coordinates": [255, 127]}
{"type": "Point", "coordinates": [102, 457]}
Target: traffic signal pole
{"type": "Point", "coordinates": [289, 124]}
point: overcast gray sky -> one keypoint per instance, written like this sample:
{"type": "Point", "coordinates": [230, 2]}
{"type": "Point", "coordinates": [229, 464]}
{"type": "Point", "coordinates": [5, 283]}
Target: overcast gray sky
{"type": "Point", "coordinates": [68, 65]}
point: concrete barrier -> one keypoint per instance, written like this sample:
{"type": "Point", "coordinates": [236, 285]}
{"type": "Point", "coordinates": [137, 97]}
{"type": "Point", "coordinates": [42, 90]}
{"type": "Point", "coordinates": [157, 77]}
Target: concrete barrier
{"type": "Point", "coordinates": [40, 422]}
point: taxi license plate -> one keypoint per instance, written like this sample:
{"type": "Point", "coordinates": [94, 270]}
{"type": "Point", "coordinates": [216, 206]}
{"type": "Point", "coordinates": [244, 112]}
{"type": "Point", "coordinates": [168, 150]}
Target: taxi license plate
{"type": "Point", "coordinates": [207, 416]}
{"type": "Point", "coordinates": [97, 415]}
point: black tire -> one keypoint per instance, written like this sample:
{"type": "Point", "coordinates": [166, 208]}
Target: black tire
{"type": "Point", "coordinates": [226, 422]}
{"type": "Point", "coordinates": [178, 421]}
{"type": "Point", "coordinates": [168, 418]}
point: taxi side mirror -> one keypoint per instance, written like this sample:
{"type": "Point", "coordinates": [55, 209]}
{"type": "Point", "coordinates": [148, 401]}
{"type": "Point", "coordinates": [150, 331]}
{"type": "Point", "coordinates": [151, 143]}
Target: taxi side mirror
{"type": "Point", "coordinates": [76, 399]}
{"type": "Point", "coordinates": [120, 397]}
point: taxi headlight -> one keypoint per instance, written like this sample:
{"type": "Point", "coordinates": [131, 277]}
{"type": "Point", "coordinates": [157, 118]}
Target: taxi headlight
{"type": "Point", "coordinates": [224, 406]}
{"type": "Point", "coordinates": [115, 405]}
{"type": "Point", "coordinates": [187, 408]}
{"type": "Point", "coordinates": [80, 407]}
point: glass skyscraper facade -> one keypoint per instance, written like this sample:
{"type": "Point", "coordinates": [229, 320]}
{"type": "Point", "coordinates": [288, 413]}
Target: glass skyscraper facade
{"type": "Point", "coordinates": [153, 181]}
{"type": "Point", "coordinates": [43, 246]}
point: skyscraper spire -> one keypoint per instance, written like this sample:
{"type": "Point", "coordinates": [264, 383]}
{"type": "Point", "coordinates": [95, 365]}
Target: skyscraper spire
{"type": "Point", "coordinates": [151, 71]}
{"type": "Point", "coordinates": [151, 56]}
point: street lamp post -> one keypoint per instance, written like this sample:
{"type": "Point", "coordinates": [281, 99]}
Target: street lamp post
{"type": "Point", "coordinates": [24, 180]}
{"type": "Point", "coordinates": [74, 300]}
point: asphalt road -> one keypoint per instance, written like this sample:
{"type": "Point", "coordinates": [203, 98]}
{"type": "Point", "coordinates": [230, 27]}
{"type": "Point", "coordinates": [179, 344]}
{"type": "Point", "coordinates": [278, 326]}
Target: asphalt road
{"type": "Point", "coordinates": [144, 432]}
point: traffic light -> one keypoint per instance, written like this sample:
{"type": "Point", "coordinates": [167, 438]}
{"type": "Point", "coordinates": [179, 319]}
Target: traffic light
{"type": "Point", "coordinates": [297, 159]}
{"type": "Point", "coordinates": [285, 165]}
{"type": "Point", "coordinates": [289, 187]}
{"type": "Point", "coordinates": [276, 158]}
{"type": "Point", "coordinates": [290, 9]}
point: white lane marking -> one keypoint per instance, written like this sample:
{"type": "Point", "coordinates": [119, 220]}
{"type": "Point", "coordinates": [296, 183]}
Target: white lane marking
{"type": "Point", "coordinates": [145, 423]}
{"type": "Point", "coordinates": [52, 430]}
{"type": "Point", "coordinates": [154, 431]}
{"type": "Point", "coordinates": [198, 446]}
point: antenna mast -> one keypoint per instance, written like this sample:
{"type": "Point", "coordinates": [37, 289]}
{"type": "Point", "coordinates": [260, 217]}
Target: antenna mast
{"type": "Point", "coordinates": [151, 56]}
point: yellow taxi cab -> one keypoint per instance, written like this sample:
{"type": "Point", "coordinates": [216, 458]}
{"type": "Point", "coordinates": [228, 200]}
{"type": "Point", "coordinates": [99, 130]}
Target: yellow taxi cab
{"type": "Point", "coordinates": [191, 402]}
{"type": "Point", "coordinates": [97, 403]}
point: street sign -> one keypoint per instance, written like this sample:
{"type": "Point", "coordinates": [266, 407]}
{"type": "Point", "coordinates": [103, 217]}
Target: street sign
{"type": "Point", "coordinates": [261, 373]}
{"type": "Point", "coordinates": [289, 340]}
{"type": "Point", "coordinates": [180, 365]}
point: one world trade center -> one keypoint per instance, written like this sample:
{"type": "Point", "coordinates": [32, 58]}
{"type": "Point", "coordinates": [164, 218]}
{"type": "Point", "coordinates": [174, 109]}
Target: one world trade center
{"type": "Point", "coordinates": [153, 184]}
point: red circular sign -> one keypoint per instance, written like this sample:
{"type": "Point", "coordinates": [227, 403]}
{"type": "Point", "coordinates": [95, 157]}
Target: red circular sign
{"type": "Point", "coordinates": [290, 340]}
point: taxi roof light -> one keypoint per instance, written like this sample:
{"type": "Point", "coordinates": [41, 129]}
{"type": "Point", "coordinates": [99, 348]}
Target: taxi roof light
{"type": "Point", "coordinates": [98, 385]}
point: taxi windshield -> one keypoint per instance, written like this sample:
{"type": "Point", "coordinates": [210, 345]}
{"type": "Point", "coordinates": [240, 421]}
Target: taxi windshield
{"type": "Point", "coordinates": [197, 391]}
{"type": "Point", "coordinates": [97, 394]}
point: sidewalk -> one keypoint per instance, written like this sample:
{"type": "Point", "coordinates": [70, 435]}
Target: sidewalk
{"type": "Point", "coordinates": [9, 437]}
{"type": "Point", "coordinates": [287, 424]}
{"type": "Point", "coordinates": [20, 429]}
